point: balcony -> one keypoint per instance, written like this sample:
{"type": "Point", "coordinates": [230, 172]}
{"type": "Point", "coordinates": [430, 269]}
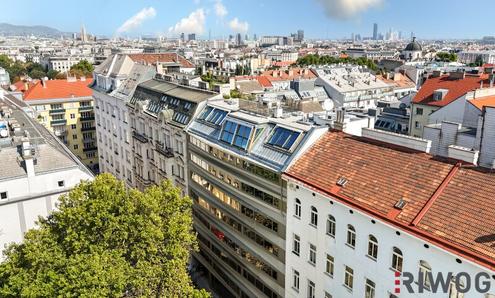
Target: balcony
{"type": "Point", "coordinates": [87, 118]}
{"type": "Point", "coordinates": [85, 108]}
{"type": "Point", "coordinates": [56, 111]}
{"type": "Point", "coordinates": [58, 122]}
{"type": "Point", "coordinates": [141, 138]}
{"type": "Point", "coordinates": [165, 151]}
{"type": "Point", "coordinates": [60, 132]}
{"type": "Point", "coordinates": [92, 148]}
{"type": "Point", "coordinates": [88, 128]}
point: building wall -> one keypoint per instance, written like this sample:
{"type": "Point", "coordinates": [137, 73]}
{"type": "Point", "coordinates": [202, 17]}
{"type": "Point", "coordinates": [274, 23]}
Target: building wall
{"type": "Point", "coordinates": [453, 112]}
{"type": "Point", "coordinates": [365, 267]}
{"type": "Point", "coordinates": [419, 120]}
{"type": "Point", "coordinates": [31, 197]}
{"type": "Point", "coordinates": [73, 121]}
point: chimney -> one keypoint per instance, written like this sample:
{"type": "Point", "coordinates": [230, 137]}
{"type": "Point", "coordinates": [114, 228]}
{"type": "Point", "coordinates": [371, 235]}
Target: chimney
{"type": "Point", "coordinates": [26, 86]}
{"type": "Point", "coordinates": [291, 72]}
{"type": "Point", "coordinates": [275, 74]}
{"type": "Point", "coordinates": [28, 157]}
{"type": "Point", "coordinates": [457, 75]}
{"type": "Point", "coordinates": [339, 121]}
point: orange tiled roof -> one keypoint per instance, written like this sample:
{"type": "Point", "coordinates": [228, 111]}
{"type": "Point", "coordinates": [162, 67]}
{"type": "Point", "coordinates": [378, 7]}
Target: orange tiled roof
{"type": "Point", "coordinates": [446, 204]}
{"type": "Point", "coordinates": [290, 74]}
{"type": "Point", "coordinates": [21, 85]}
{"type": "Point", "coordinates": [483, 102]}
{"type": "Point", "coordinates": [457, 88]}
{"type": "Point", "coordinates": [163, 57]}
{"type": "Point", "coordinates": [58, 89]}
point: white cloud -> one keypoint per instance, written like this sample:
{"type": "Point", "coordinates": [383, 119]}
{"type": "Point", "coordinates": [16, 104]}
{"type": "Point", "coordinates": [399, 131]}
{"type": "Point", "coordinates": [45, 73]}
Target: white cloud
{"type": "Point", "coordinates": [238, 26]}
{"type": "Point", "coordinates": [220, 9]}
{"type": "Point", "coordinates": [194, 23]}
{"type": "Point", "coordinates": [137, 19]}
{"type": "Point", "coordinates": [346, 9]}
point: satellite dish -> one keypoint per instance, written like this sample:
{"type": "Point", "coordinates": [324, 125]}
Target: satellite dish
{"type": "Point", "coordinates": [328, 105]}
{"type": "Point", "coordinates": [4, 133]}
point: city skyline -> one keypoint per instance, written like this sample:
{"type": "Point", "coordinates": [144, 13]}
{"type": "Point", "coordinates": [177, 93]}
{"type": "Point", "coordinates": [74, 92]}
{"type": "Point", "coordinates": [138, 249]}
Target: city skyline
{"type": "Point", "coordinates": [320, 18]}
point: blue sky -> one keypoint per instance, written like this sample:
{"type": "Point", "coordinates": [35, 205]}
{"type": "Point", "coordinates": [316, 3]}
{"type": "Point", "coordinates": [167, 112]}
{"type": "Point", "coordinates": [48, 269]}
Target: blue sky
{"type": "Point", "coordinates": [319, 18]}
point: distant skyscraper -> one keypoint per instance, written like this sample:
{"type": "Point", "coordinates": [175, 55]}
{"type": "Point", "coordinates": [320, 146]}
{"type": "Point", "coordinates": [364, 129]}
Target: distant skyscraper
{"type": "Point", "coordinates": [238, 39]}
{"type": "Point", "coordinates": [375, 31]}
{"type": "Point", "coordinates": [300, 35]}
{"type": "Point", "coordinates": [191, 36]}
{"type": "Point", "coordinates": [84, 37]}
{"type": "Point", "coordinates": [182, 37]}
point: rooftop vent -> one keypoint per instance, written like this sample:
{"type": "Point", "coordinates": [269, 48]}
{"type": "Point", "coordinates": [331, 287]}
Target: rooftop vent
{"type": "Point", "coordinates": [342, 181]}
{"type": "Point", "coordinates": [400, 204]}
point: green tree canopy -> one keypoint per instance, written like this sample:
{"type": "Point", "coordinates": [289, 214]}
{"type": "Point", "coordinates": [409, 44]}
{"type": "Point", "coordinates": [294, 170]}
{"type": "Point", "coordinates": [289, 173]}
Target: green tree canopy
{"type": "Point", "coordinates": [327, 60]}
{"type": "Point", "coordinates": [52, 74]}
{"type": "Point", "coordinates": [106, 241]}
{"type": "Point", "coordinates": [446, 57]}
{"type": "Point", "coordinates": [83, 68]}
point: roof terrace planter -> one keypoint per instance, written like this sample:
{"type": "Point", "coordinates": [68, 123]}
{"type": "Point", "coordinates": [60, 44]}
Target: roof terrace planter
{"type": "Point", "coordinates": [141, 138]}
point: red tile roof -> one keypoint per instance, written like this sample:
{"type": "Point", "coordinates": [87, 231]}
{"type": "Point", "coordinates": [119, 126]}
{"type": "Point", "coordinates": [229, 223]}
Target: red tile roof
{"type": "Point", "coordinates": [21, 85]}
{"type": "Point", "coordinates": [58, 89]}
{"type": "Point", "coordinates": [264, 81]}
{"type": "Point", "coordinates": [447, 204]}
{"type": "Point", "coordinates": [456, 89]}
{"type": "Point", "coordinates": [483, 102]}
{"type": "Point", "coordinates": [163, 57]}
{"type": "Point", "coordinates": [290, 74]}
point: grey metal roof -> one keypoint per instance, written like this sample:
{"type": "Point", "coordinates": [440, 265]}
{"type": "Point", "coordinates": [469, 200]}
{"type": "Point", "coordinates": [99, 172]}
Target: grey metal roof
{"type": "Point", "coordinates": [181, 92]}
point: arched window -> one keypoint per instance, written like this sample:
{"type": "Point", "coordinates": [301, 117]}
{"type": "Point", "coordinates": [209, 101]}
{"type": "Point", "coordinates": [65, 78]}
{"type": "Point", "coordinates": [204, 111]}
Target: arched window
{"type": "Point", "coordinates": [397, 259]}
{"type": "Point", "coordinates": [351, 236]}
{"type": "Point", "coordinates": [297, 209]}
{"type": "Point", "coordinates": [372, 247]}
{"type": "Point", "coordinates": [425, 269]}
{"type": "Point", "coordinates": [314, 216]}
{"type": "Point", "coordinates": [331, 226]}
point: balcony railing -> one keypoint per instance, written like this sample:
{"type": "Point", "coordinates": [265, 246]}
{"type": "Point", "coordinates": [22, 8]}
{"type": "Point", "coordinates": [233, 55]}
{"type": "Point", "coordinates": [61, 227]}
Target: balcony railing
{"type": "Point", "coordinates": [56, 111]}
{"type": "Point", "coordinates": [165, 151]}
{"type": "Point", "coordinates": [88, 128]}
{"type": "Point", "coordinates": [85, 108]}
{"type": "Point", "coordinates": [58, 122]}
{"type": "Point", "coordinates": [93, 148]}
{"type": "Point", "coordinates": [88, 118]}
{"type": "Point", "coordinates": [141, 138]}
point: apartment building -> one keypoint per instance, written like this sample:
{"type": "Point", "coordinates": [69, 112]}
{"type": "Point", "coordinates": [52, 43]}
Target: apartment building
{"type": "Point", "coordinates": [36, 169]}
{"type": "Point", "coordinates": [443, 98]}
{"type": "Point", "coordinates": [357, 223]}
{"type": "Point", "coordinates": [236, 158]}
{"type": "Point", "coordinates": [63, 64]}
{"type": "Point", "coordinates": [65, 107]}
{"type": "Point", "coordinates": [116, 79]}
{"type": "Point", "coordinates": [353, 87]}
{"type": "Point", "coordinates": [159, 112]}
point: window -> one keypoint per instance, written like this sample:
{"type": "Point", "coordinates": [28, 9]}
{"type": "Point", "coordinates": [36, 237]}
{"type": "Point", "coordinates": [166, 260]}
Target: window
{"type": "Point", "coordinates": [296, 247]}
{"type": "Point", "coordinates": [283, 138]}
{"type": "Point", "coordinates": [330, 265]}
{"type": "Point", "coordinates": [419, 111]}
{"type": "Point", "coordinates": [372, 247]}
{"type": "Point", "coordinates": [369, 291]}
{"type": "Point", "coordinates": [242, 137]}
{"type": "Point", "coordinates": [425, 268]}
{"type": "Point", "coordinates": [311, 289]}
{"type": "Point", "coordinates": [331, 226]}
{"type": "Point", "coordinates": [417, 124]}
{"type": "Point", "coordinates": [314, 216]}
{"type": "Point", "coordinates": [74, 137]}
{"type": "Point", "coordinates": [216, 117]}
{"type": "Point", "coordinates": [351, 236]}
{"type": "Point", "coordinates": [397, 259]}
{"type": "Point", "coordinates": [228, 131]}
{"type": "Point", "coordinates": [3, 195]}
{"type": "Point", "coordinates": [61, 183]}
{"type": "Point", "coordinates": [312, 254]}
{"type": "Point", "coordinates": [73, 126]}
{"type": "Point", "coordinates": [349, 277]}
{"type": "Point", "coordinates": [297, 209]}
{"type": "Point", "coordinates": [76, 147]}
{"type": "Point", "coordinates": [72, 116]}
{"type": "Point", "coordinates": [295, 280]}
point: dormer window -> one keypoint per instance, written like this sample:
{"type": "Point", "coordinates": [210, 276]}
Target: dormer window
{"type": "Point", "coordinates": [213, 116]}
{"type": "Point", "coordinates": [236, 134]}
{"type": "Point", "coordinates": [439, 94]}
{"type": "Point", "coordinates": [283, 138]}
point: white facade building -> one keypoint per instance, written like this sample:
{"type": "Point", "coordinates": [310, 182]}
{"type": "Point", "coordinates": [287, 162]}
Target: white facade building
{"type": "Point", "coordinates": [349, 234]}
{"type": "Point", "coordinates": [36, 169]}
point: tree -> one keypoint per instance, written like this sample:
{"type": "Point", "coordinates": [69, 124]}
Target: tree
{"type": "Point", "coordinates": [52, 74]}
{"type": "Point", "coordinates": [446, 57]}
{"type": "Point", "coordinates": [83, 68]}
{"type": "Point", "coordinates": [106, 241]}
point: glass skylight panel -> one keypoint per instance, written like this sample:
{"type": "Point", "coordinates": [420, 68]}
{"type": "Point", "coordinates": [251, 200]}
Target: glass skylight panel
{"type": "Point", "coordinates": [283, 138]}
{"type": "Point", "coordinates": [205, 113]}
{"type": "Point", "coordinates": [228, 131]}
{"type": "Point", "coordinates": [242, 136]}
{"type": "Point", "coordinates": [217, 116]}
{"type": "Point", "coordinates": [187, 106]}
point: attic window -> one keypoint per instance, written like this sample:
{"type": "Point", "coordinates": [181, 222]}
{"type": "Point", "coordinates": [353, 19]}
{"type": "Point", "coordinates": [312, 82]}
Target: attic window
{"type": "Point", "coordinates": [400, 204]}
{"type": "Point", "coordinates": [439, 94]}
{"type": "Point", "coordinates": [283, 138]}
{"type": "Point", "coordinates": [342, 181]}
{"type": "Point", "coordinates": [3, 195]}
{"type": "Point", "coordinates": [61, 183]}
